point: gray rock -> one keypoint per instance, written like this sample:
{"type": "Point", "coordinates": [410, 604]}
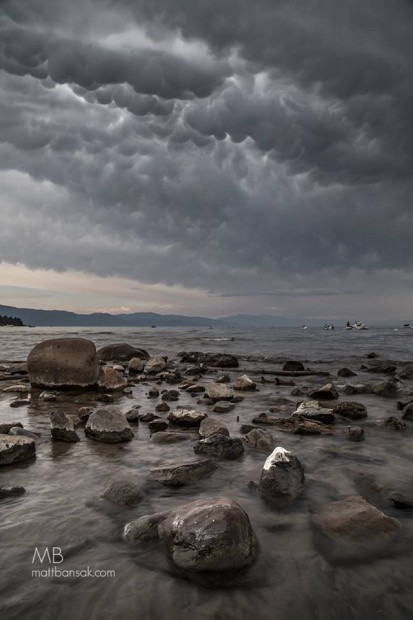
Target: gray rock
{"type": "Point", "coordinates": [108, 426]}
{"type": "Point", "coordinates": [394, 424]}
{"type": "Point", "coordinates": [63, 363]}
{"type": "Point", "coordinates": [385, 388]}
{"type": "Point", "coordinates": [222, 406]}
{"type": "Point", "coordinates": [260, 439]}
{"type": "Point", "coordinates": [346, 372]}
{"type": "Point", "coordinates": [211, 426]}
{"type": "Point", "coordinates": [143, 528]}
{"type": "Point", "coordinates": [351, 410]}
{"type": "Point", "coordinates": [48, 397]}
{"type": "Point", "coordinates": [155, 426]}
{"type": "Point", "coordinates": [136, 366]}
{"type": "Point", "coordinates": [18, 431]}
{"type": "Point", "coordinates": [223, 379]}
{"type": "Point", "coordinates": [4, 428]}
{"type": "Point", "coordinates": [244, 383]}
{"type": "Point", "coordinates": [11, 492]}
{"type": "Point", "coordinates": [20, 402]}
{"type": "Point", "coordinates": [83, 415]}
{"type": "Point", "coordinates": [282, 475]}
{"type": "Point", "coordinates": [353, 522]}
{"type": "Point", "coordinates": [220, 446]}
{"type": "Point", "coordinates": [219, 360]}
{"type": "Point", "coordinates": [212, 534]}
{"type": "Point", "coordinates": [312, 410]}
{"type": "Point", "coordinates": [407, 372]}
{"type": "Point", "coordinates": [16, 449]}
{"type": "Point", "coordinates": [178, 474]}
{"type": "Point", "coordinates": [62, 427]}
{"type": "Point", "coordinates": [184, 417]}
{"type": "Point", "coordinates": [359, 388]}
{"type": "Point", "coordinates": [153, 393]}
{"type": "Point", "coordinates": [293, 366]}
{"type": "Point", "coordinates": [133, 415]}
{"type": "Point", "coordinates": [170, 395]}
{"type": "Point", "coordinates": [155, 365]}
{"type": "Point", "coordinates": [327, 392]}
{"type": "Point", "coordinates": [355, 433]}
{"type": "Point", "coordinates": [122, 493]}
{"type": "Point", "coordinates": [122, 352]}
{"type": "Point", "coordinates": [167, 437]}
{"type": "Point", "coordinates": [219, 391]}
{"type": "Point", "coordinates": [408, 412]}
{"type": "Point", "coordinates": [110, 379]}
{"type": "Point", "coordinates": [162, 407]}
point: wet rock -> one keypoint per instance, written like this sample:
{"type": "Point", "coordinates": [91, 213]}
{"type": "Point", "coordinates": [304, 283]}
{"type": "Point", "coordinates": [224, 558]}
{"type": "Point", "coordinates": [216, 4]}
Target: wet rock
{"type": "Point", "coordinates": [178, 474]}
{"type": "Point", "coordinates": [219, 360]}
{"type": "Point", "coordinates": [351, 410]}
{"type": "Point", "coordinates": [400, 498]}
{"type": "Point", "coordinates": [355, 433]}
{"type": "Point", "coordinates": [312, 410]}
{"type": "Point", "coordinates": [122, 493]}
{"type": "Point", "coordinates": [11, 492]}
{"type": "Point", "coordinates": [83, 415]}
{"type": "Point", "coordinates": [244, 383]}
{"type": "Point", "coordinates": [407, 372]}
{"type": "Point", "coordinates": [385, 388]}
{"type": "Point", "coordinates": [148, 417]}
{"type": "Point", "coordinates": [346, 372]}
{"type": "Point", "coordinates": [4, 428]}
{"type": "Point", "coordinates": [155, 426]}
{"type": "Point", "coordinates": [168, 437]}
{"type": "Point", "coordinates": [48, 397]}
{"type": "Point", "coordinates": [154, 365]}
{"type": "Point", "coordinates": [220, 446]}
{"type": "Point", "coordinates": [16, 449]}
{"type": "Point", "coordinates": [162, 407]}
{"type": "Point", "coordinates": [353, 523]}
{"type": "Point", "coordinates": [212, 426]}
{"type": "Point", "coordinates": [195, 389]}
{"type": "Point", "coordinates": [105, 398]}
{"type": "Point", "coordinates": [260, 439]}
{"type": "Point", "coordinates": [170, 395]}
{"type": "Point", "coordinates": [18, 389]}
{"type": "Point", "coordinates": [153, 393]}
{"type": "Point", "coordinates": [384, 368]}
{"type": "Point", "coordinates": [20, 402]}
{"type": "Point", "coordinates": [183, 417]}
{"type": "Point", "coordinates": [23, 432]}
{"type": "Point", "coordinates": [62, 427]}
{"type": "Point", "coordinates": [408, 412]}
{"type": "Point", "coordinates": [143, 528]}
{"type": "Point", "coordinates": [212, 534]}
{"type": "Point", "coordinates": [311, 427]}
{"type": "Point", "coordinates": [246, 428]}
{"type": "Point", "coordinates": [301, 391]}
{"type": "Point", "coordinates": [108, 426]}
{"type": "Point", "coordinates": [223, 379]}
{"type": "Point", "coordinates": [406, 400]}
{"type": "Point", "coordinates": [327, 392]}
{"type": "Point", "coordinates": [293, 366]}
{"type": "Point", "coordinates": [287, 382]}
{"type": "Point", "coordinates": [222, 407]}
{"type": "Point", "coordinates": [121, 352]}
{"type": "Point", "coordinates": [359, 388]}
{"type": "Point", "coordinates": [110, 379]}
{"type": "Point", "coordinates": [136, 366]}
{"type": "Point", "coordinates": [133, 415]}
{"type": "Point", "coordinates": [63, 363]}
{"type": "Point", "coordinates": [394, 424]}
{"type": "Point", "coordinates": [219, 391]}
{"type": "Point", "coordinates": [282, 475]}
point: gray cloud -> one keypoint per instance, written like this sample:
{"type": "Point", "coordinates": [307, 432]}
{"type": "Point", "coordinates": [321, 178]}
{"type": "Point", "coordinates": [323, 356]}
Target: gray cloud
{"type": "Point", "coordinates": [229, 146]}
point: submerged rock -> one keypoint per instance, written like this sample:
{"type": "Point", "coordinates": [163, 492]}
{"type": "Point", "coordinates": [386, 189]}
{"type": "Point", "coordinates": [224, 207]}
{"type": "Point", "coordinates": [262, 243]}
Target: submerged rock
{"type": "Point", "coordinates": [167, 437]}
{"type": "Point", "coordinates": [16, 449]}
{"type": "Point", "coordinates": [260, 439]}
{"type": "Point", "coordinates": [346, 372]}
{"type": "Point", "coordinates": [63, 363]}
{"type": "Point", "coordinates": [282, 475]}
{"type": "Point", "coordinates": [11, 492]}
{"type": "Point", "coordinates": [408, 411]}
{"type": "Point", "coordinates": [4, 428]}
{"type": "Point", "coordinates": [327, 392]}
{"type": "Point", "coordinates": [222, 406]}
{"type": "Point", "coordinates": [178, 474]}
{"type": "Point", "coordinates": [108, 426]}
{"type": "Point", "coordinates": [293, 366]}
{"type": "Point", "coordinates": [122, 492]}
{"type": "Point", "coordinates": [355, 433]}
{"type": "Point", "coordinates": [351, 410]}
{"type": "Point", "coordinates": [220, 446]}
{"type": "Point", "coordinates": [385, 388]}
{"type": "Point", "coordinates": [62, 427]}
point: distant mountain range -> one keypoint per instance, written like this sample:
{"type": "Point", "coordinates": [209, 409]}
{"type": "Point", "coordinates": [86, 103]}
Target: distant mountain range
{"type": "Point", "coordinates": [62, 318]}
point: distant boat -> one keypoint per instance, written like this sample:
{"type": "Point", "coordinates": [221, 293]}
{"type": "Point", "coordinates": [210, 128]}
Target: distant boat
{"type": "Point", "coordinates": [359, 325]}
{"type": "Point", "coordinates": [410, 325]}
{"type": "Point", "coordinates": [304, 327]}
{"type": "Point", "coordinates": [153, 326]}
{"type": "Point", "coordinates": [329, 327]}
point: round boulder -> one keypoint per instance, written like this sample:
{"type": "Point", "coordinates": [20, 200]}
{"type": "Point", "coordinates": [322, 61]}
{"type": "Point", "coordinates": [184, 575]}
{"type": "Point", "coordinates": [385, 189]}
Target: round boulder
{"type": "Point", "coordinates": [14, 449]}
{"type": "Point", "coordinates": [121, 352]}
{"type": "Point", "coordinates": [63, 363]}
{"type": "Point", "coordinates": [108, 426]}
{"type": "Point", "coordinates": [282, 475]}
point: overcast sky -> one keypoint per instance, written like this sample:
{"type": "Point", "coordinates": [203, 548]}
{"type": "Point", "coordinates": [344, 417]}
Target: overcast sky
{"type": "Point", "coordinates": [207, 156]}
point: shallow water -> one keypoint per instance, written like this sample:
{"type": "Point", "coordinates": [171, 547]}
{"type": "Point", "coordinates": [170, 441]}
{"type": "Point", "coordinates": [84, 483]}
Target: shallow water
{"type": "Point", "coordinates": [293, 577]}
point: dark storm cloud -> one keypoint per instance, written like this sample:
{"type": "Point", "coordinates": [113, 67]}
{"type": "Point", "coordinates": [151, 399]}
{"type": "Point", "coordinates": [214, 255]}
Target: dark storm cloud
{"type": "Point", "coordinates": [231, 145]}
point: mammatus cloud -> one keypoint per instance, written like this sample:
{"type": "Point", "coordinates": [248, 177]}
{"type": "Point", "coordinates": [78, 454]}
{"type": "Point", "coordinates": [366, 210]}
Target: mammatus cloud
{"type": "Point", "coordinates": [251, 149]}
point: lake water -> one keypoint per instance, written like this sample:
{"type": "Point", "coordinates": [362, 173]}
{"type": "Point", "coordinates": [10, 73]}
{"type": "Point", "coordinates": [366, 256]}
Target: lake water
{"type": "Point", "coordinates": [293, 578]}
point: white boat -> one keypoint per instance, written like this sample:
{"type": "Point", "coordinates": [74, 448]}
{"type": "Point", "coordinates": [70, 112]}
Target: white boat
{"type": "Point", "coordinates": [304, 327]}
{"type": "Point", "coordinates": [360, 325]}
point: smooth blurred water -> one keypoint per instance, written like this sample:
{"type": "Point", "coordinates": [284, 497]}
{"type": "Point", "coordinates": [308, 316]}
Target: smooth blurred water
{"type": "Point", "coordinates": [292, 579]}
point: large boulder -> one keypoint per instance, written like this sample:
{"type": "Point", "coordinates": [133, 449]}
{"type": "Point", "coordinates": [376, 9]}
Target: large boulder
{"type": "Point", "coordinates": [14, 449]}
{"type": "Point", "coordinates": [121, 352]}
{"type": "Point", "coordinates": [62, 427]}
{"type": "Point", "coordinates": [178, 474]}
{"type": "Point", "coordinates": [108, 426]}
{"type": "Point", "coordinates": [212, 426]}
{"type": "Point", "coordinates": [218, 391]}
{"type": "Point", "coordinates": [155, 365]}
{"type": "Point", "coordinates": [282, 475]}
{"type": "Point", "coordinates": [63, 363]}
{"type": "Point", "coordinates": [213, 534]}
{"type": "Point", "coordinates": [352, 524]}
{"type": "Point", "coordinates": [220, 446]}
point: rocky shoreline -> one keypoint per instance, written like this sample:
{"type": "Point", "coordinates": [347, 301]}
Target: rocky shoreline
{"type": "Point", "coordinates": [202, 400]}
